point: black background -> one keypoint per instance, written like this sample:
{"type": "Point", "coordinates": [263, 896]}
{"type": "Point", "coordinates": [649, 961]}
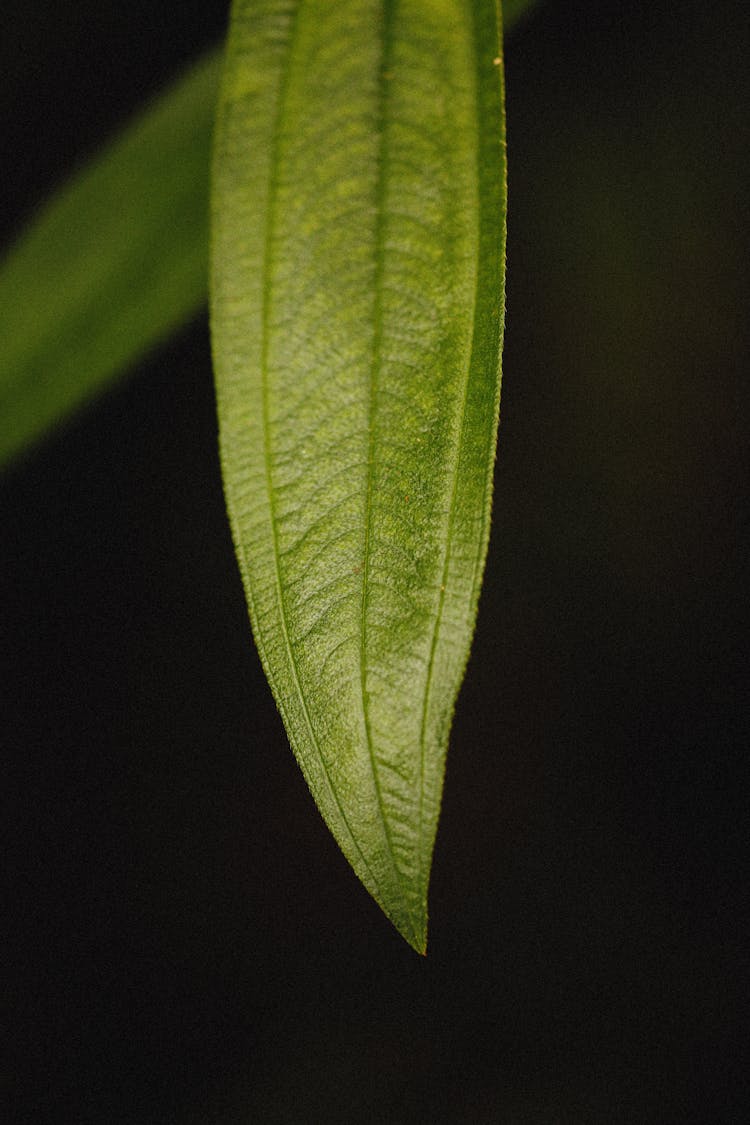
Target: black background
{"type": "Point", "coordinates": [185, 942]}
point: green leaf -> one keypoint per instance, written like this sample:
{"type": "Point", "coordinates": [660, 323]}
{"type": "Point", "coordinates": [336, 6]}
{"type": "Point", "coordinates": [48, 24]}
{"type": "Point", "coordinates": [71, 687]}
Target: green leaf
{"type": "Point", "coordinates": [111, 266]}
{"type": "Point", "coordinates": [357, 310]}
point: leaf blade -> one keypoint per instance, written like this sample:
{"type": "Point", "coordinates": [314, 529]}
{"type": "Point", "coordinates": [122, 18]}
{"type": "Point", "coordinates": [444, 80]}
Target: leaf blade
{"type": "Point", "coordinates": [357, 309]}
{"type": "Point", "coordinates": [111, 265]}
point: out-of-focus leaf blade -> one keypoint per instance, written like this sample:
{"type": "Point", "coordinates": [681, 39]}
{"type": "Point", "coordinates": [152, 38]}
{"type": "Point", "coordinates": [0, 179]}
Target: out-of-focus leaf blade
{"type": "Point", "coordinates": [115, 261]}
{"type": "Point", "coordinates": [515, 10]}
{"type": "Point", "coordinates": [357, 309]}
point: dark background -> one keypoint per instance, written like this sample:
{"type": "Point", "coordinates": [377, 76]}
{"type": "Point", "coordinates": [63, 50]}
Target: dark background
{"type": "Point", "coordinates": [185, 944]}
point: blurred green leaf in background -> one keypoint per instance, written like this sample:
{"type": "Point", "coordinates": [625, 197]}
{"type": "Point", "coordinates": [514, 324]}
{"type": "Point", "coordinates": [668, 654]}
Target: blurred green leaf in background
{"type": "Point", "coordinates": [111, 266]}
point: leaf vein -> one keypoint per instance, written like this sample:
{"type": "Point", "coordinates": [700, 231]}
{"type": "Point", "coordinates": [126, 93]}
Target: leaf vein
{"type": "Point", "coordinates": [266, 330]}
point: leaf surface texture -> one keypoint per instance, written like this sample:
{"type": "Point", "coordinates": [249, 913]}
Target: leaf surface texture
{"type": "Point", "coordinates": [357, 306]}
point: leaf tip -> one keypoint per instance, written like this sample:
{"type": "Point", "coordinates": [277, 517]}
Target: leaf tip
{"type": "Point", "coordinates": [413, 930]}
